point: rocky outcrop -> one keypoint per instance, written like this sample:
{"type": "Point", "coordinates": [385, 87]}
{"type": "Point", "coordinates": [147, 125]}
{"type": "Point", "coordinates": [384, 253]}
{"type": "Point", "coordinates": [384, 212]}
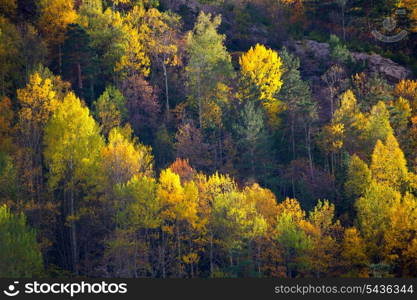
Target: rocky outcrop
{"type": "Point", "coordinates": [384, 66]}
{"type": "Point", "coordinates": [309, 48]}
{"type": "Point", "coordinates": [192, 5]}
{"type": "Point", "coordinates": [312, 52]}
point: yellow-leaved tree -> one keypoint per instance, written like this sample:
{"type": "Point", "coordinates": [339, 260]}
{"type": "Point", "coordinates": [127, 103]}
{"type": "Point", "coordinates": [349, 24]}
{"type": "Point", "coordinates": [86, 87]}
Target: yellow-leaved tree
{"type": "Point", "coordinates": [401, 235]}
{"type": "Point", "coordinates": [411, 7]}
{"type": "Point", "coordinates": [324, 232]}
{"type": "Point", "coordinates": [209, 64]}
{"type": "Point", "coordinates": [179, 216]}
{"type": "Point", "coordinates": [358, 178]}
{"type": "Point", "coordinates": [134, 59]}
{"type": "Point", "coordinates": [354, 254]}
{"type": "Point", "coordinates": [209, 188]}
{"type": "Point", "coordinates": [407, 89]}
{"type": "Point", "coordinates": [164, 35]}
{"type": "Point", "coordinates": [266, 204]}
{"type": "Point", "coordinates": [373, 218]}
{"type": "Point", "coordinates": [291, 237]}
{"type": "Point", "coordinates": [137, 219]}
{"type": "Point", "coordinates": [125, 157]}
{"type": "Point", "coordinates": [72, 147]}
{"type": "Point", "coordinates": [261, 71]}
{"type": "Point", "coordinates": [236, 223]}
{"type": "Point", "coordinates": [118, 39]}
{"type": "Point", "coordinates": [110, 109]}
{"type": "Point", "coordinates": [386, 209]}
{"type": "Point", "coordinates": [55, 16]}
{"type": "Point", "coordinates": [389, 166]}
{"type": "Point", "coordinates": [38, 102]}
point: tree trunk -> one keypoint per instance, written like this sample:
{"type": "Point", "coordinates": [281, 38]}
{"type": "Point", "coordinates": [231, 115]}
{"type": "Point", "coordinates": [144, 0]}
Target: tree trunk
{"type": "Point", "coordinates": [192, 263]}
{"type": "Point", "coordinates": [134, 259]}
{"type": "Point", "coordinates": [163, 255]}
{"type": "Point", "coordinates": [92, 88]}
{"type": "Point", "coordinates": [80, 80]}
{"type": "Point", "coordinates": [60, 59]}
{"type": "Point", "coordinates": [221, 147]}
{"type": "Point", "coordinates": [179, 250]}
{"type": "Point", "coordinates": [73, 233]}
{"type": "Point", "coordinates": [211, 256]}
{"type": "Point", "coordinates": [166, 88]}
{"type": "Point", "coordinates": [331, 105]}
{"type": "Point", "coordinates": [308, 146]}
{"type": "Point", "coordinates": [252, 160]}
{"type": "Point", "coordinates": [293, 154]}
{"type": "Point", "coordinates": [200, 104]}
{"type": "Point", "coordinates": [293, 137]}
{"type": "Point", "coordinates": [259, 259]}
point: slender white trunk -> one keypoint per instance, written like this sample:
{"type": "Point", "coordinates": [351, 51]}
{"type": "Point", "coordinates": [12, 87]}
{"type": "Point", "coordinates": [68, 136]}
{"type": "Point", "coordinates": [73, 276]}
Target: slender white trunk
{"type": "Point", "coordinates": [166, 88]}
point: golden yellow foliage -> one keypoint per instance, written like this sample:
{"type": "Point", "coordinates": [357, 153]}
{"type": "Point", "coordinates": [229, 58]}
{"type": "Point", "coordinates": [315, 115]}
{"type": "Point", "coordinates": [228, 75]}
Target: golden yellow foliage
{"type": "Point", "coordinates": [265, 202]}
{"type": "Point", "coordinates": [353, 253]}
{"type": "Point", "coordinates": [358, 177]}
{"type": "Point", "coordinates": [55, 16]}
{"type": "Point", "coordinates": [388, 165]}
{"type": "Point", "coordinates": [291, 207]}
{"type": "Point", "coordinates": [179, 203]}
{"type": "Point", "coordinates": [401, 232]}
{"type": "Point", "coordinates": [72, 143]}
{"type": "Point", "coordinates": [373, 216]}
{"type": "Point", "coordinates": [333, 137]}
{"type": "Point", "coordinates": [408, 89]}
{"type": "Point", "coordinates": [323, 231]}
{"type": "Point", "coordinates": [123, 157]}
{"type": "Point", "coordinates": [262, 67]}
{"type": "Point", "coordinates": [261, 71]}
{"type": "Point", "coordinates": [348, 109]}
{"type": "Point", "coordinates": [6, 125]}
{"type": "Point", "coordinates": [134, 59]}
{"type": "Point", "coordinates": [411, 6]}
{"type": "Point", "coordinates": [37, 100]}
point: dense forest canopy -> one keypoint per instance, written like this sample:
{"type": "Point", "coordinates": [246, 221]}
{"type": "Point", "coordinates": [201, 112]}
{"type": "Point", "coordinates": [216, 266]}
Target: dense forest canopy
{"type": "Point", "coordinates": [208, 138]}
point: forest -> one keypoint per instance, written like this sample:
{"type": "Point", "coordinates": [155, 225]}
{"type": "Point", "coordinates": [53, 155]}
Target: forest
{"type": "Point", "coordinates": [208, 138]}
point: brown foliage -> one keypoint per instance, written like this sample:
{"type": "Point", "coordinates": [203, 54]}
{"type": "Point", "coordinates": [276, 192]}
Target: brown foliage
{"type": "Point", "coordinates": [190, 144]}
{"type": "Point", "coordinates": [141, 102]}
{"type": "Point", "coordinates": [183, 169]}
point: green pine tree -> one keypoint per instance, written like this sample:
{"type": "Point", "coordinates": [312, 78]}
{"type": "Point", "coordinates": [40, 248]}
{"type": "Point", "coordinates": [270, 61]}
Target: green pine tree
{"type": "Point", "coordinates": [20, 255]}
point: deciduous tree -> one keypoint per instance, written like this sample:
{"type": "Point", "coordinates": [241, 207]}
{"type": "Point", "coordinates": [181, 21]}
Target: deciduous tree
{"type": "Point", "coordinates": [55, 16]}
{"type": "Point", "coordinates": [354, 253]}
{"type": "Point", "coordinates": [124, 157]}
{"type": "Point", "coordinates": [209, 62]}
{"type": "Point", "coordinates": [38, 102]}
{"type": "Point", "coordinates": [110, 109]}
{"type": "Point", "coordinates": [72, 147]}
{"type": "Point", "coordinates": [142, 106]}
{"type": "Point", "coordinates": [261, 71]}
{"type": "Point", "coordinates": [389, 166]}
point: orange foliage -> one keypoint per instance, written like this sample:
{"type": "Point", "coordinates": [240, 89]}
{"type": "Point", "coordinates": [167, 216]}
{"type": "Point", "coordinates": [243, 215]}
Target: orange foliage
{"type": "Point", "coordinates": [183, 169]}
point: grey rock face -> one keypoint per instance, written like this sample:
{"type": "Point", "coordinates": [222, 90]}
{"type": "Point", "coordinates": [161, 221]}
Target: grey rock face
{"type": "Point", "coordinates": [309, 51]}
{"type": "Point", "coordinates": [384, 66]}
